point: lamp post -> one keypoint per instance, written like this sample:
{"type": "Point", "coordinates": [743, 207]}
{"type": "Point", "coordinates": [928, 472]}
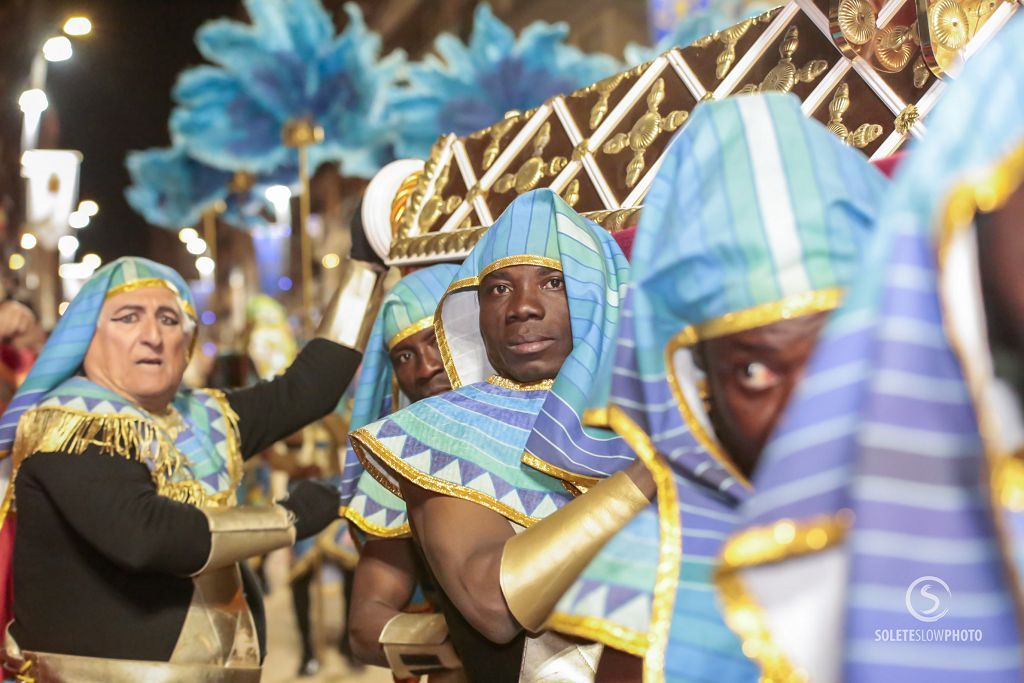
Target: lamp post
{"type": "Point", "coordinates": [33, 102]}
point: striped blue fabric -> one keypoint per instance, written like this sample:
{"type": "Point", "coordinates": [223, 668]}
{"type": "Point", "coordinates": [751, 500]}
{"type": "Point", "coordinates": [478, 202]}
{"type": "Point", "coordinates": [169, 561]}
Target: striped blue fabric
{"type": "Point", "coordinates": [414, 298]}
{"type": "Point", "coordinates": [53, 381]}
{"type": "Point", "coordinates": [885, 426]}
{"type": "Point", "coordinates": [466, 443]}
{"type": "Point", "coordinates": [469, 442]}
{"type": "Point", "coordinates": [753, 204]}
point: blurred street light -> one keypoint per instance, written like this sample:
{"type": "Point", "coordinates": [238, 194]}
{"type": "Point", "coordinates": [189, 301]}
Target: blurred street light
{"type": "Point", "coordinates": [78, 26]}
{"type": "Point", "coordinates": [67, 245]}
{"type": "Point", "coordinates": [196, 246]}
{"type": "Point", "coordinates": [33, 102]}
{"type": "Point", "coordinates": [88, 207]}
{"type": "Point", "coordinates": [186, 235]}
{"type": "Point", "coordinates": [205, 265]}
{"type": "Point", "coordinates": [57, 49]}
{"type": "Point", "coordinates": [78, 220]}
{"type": "Point", "coordinates": [28, 241]}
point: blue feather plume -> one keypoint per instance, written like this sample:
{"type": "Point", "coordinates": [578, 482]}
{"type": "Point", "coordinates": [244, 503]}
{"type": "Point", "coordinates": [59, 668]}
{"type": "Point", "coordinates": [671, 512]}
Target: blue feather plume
{"type": "Point", "coordinates": [287, 64]}
{"type": "Point", "coordinates": [170, 189]}
{"type": "Point", "coordinates": [469, 87]}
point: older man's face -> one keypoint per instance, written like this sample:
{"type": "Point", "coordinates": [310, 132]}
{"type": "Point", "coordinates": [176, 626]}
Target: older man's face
{"type": "Point", "coordinates": [140, 347]}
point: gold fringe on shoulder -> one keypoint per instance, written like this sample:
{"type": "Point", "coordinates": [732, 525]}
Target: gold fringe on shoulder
{"type": "Point", "coordinates": [59, 429]}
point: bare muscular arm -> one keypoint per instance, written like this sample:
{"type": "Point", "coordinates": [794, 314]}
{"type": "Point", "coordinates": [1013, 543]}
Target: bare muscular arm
{"type": "Point", "coordinates": [463, 542]}
{"type": "Point", "coordinates": [384, 583]}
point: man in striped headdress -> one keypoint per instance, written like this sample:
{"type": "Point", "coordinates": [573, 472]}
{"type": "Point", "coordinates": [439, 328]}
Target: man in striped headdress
{"type": "Point", "coordinates": [751, 231]}
{"type": "Point", "coordinates": [884, 540]}
{"type": "Point", "coordinates": [391, 621]}
{"type": "Point", "coordinates": [533, 307]}
{"type": "Point", "coordinates": [122, 483]}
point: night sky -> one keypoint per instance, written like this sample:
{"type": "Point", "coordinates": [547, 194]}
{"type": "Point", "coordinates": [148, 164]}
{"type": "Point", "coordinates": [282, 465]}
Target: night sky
{"type": "Point", "coordinates": [113, 96]}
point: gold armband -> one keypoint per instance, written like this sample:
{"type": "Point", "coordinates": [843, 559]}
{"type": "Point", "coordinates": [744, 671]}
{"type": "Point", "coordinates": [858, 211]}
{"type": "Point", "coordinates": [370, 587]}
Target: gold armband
{"type": "Point", "coordinates": [541, 563]}
{"type": "Point", "coordinates": [349, 316]}
{"type": "Point", "coordinates": [415, 644]}
{"type": "Point", "coordinates": [239, 533]}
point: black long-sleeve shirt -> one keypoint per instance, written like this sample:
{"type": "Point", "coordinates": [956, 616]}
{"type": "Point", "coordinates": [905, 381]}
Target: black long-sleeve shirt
{"type": "Point", "coordinates": [101, 561]}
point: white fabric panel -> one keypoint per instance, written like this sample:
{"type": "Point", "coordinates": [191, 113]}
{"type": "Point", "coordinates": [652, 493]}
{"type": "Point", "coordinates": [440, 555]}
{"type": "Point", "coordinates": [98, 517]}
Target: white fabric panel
{"type": "Point", "coordinates": [802, 600]}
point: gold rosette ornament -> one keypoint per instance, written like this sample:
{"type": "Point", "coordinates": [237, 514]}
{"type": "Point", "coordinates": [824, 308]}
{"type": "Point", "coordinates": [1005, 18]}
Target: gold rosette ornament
{"type": "Point", "coordinates": [947, 26]}
{"type": "Point", "coordinates": [856, 20]}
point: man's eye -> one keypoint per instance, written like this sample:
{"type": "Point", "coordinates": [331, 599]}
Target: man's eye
{"type": "Point", "coordinates": [757, 376]}
{"type": "Point", "coordinates": [555, 283]}
{"type": "Point", "coordinates": [127, 318]}
{"type": "Point", "coordinates": [168, 320]}
{"type": "Point", "coordinates": [500, 289]}
{"type": "Point", "coordinates": [403, 357]}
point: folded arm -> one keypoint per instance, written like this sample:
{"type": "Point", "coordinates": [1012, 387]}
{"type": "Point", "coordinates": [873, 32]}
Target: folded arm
{"type": "Point", "coordinates": [384, 583]}
{"type": "Point", "coordinates": [463, 543]}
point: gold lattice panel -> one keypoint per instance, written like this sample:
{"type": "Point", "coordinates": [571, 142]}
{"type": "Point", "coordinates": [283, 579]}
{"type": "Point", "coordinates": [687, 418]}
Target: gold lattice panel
{"type": "Point", "coordinates": [870, 70]}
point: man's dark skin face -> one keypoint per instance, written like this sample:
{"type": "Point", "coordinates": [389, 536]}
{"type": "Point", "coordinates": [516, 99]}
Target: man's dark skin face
{"type": "Point", "coordinates": [524, 320]}
{"type": "Point", "coordinates": [418, 366]}
{"type": "Point", "coordinates": [750, 376]}
{"type": "Point", "coordinates": [1001, 262]}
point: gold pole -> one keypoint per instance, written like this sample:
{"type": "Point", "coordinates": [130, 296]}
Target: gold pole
{"type": "Point", "coordinates": [300, 134]}
{"type": "Point", "coordinates": [210, 236]}
{"type": "Point", "coordinates": [305, 249]}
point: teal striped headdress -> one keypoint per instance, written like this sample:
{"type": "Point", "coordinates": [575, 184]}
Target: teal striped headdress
{"type": "Point", "coordinates": [407, 309]}
{"type": "Point", "coordinates": [57, 409]}
{"type": "Point", "coordinates": [895, 451]}
{"type": "Point", "coordinates": [757, 214]}
{"type": "Point", "coordinates": [470, 442]}
{"type": "Point", "coordinates": [538, 228]}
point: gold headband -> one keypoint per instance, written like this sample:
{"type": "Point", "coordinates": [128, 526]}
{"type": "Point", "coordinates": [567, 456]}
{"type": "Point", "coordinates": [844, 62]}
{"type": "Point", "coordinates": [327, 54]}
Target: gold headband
{"type": "Point", "coordinates": [520, 260]}
{"type": "Point", "coordinates": [795, 306]}
{"type": "Point", "coordinates": [409, 330]}
{"type": "Point", "coordinates": [148, 282]}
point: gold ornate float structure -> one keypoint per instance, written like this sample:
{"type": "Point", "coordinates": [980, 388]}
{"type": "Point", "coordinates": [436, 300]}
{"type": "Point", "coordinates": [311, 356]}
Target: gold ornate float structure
{"type": "Point", "coordinates": [870, 70]}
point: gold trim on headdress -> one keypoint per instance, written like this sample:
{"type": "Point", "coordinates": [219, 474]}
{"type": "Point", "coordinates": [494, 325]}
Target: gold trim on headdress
{"type": "Point", "coordinates": [580, 481]}
{"type": "Point", "coordinates": [596, 417]}
{"type": "Point", "coordinates": [409, 330]}
{"type": "Point", "coordinates": [519, 260]}
{"type": "Point", "coordinates": [442, 339]}
{"type": "Point", "coordinates": [706, 440]}
{"type": "Point", "coordinates": [764, 545]}
{"type": "Point", "coordinates": [506, 383]}
{"type": "Point", "coordinates": [147, 282]}
{"type": "Point", "coordinates": [670, 542]}
{"type": "Point", "coordinates": [987, 192]}
{"type": "Point", "coordinates": [795, 306]}
{"type": "Point", "coordinates": [784, 539]}
{"type": "Point", "coordinates": [375, 529]}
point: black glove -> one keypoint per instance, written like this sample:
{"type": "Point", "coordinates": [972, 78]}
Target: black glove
{"type": "Point", "coordinates": [314, 505]}
{"type": "Point", "coordinates": [361, 249]}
